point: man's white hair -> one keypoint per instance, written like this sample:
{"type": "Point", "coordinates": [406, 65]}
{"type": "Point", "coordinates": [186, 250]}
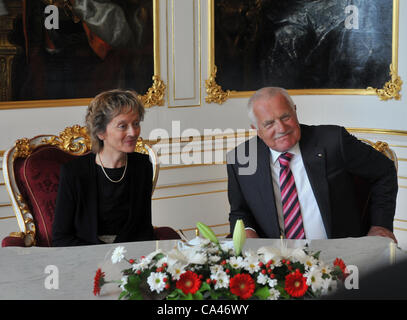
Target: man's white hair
{"type": "Point", "coordinates": [266, 93]}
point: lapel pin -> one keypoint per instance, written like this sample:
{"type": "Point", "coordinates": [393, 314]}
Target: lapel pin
{"type": "Point", "coordinates": [319, 155]}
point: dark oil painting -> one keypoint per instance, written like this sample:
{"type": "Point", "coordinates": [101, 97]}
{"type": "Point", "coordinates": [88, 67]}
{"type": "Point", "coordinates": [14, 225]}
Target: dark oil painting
{"type": "Point", "coordinates": [303, 44]}
{"type": "Point", "coordinates": [98, 45]}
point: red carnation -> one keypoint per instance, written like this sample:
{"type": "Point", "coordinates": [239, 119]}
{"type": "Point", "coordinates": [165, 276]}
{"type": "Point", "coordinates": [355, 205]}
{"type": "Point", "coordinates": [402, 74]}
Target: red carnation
{"type": "Point", "coordinates": [296, 284]}
{"type": "Point", "coordinates": [341, 264]}
{"type": "Point", "coordinates": [242, 285]}
{"type": "Point", "coordinates": [99, 281]}
{"type": "Point", "coordinates": [188, 282]}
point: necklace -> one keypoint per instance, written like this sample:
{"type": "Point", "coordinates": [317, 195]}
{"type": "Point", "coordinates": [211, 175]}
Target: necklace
{"type": "Point", "coordinates": [111, 180]}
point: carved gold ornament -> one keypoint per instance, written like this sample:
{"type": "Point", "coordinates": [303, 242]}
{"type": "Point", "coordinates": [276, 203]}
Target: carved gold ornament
{"type": "Point", "coordinates": [74, 140]}
{"type": "Point", "coordinates": [214, 91]}
{"type": "Point", "coordinates": [23, 148]}
{"type": "Point", "coordinates": [140, 148]}
{"type": "Point", "coordinates": [29, 235]}
{"type": "Point", "coordinates": [384, 148]}
{"type": "Point", "coordinates": [391, 88]}
{"type": "Point", "coordinates": [155, 94]}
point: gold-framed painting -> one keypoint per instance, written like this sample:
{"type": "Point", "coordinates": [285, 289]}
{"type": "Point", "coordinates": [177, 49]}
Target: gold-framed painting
{"type": "Point", "coordinates": [310, 47]}
{"type": "Point", "coordinates": [57, 53]}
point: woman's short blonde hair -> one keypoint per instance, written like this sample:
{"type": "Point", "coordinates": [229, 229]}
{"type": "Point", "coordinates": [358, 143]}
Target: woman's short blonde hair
{"type": "Point", "coordinates": [107, 105]}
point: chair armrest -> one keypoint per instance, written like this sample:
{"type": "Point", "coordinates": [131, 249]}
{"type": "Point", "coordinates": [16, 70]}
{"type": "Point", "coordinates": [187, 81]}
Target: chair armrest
{"type": "Point", "coordinates": [166, 233]}
{"type": "Point", "coordinates": [12, 241]}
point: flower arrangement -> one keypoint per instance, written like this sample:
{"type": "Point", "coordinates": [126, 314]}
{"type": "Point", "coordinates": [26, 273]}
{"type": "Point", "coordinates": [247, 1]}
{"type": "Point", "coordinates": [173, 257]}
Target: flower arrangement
{"type": "Point", "coordinates": [205, 268]}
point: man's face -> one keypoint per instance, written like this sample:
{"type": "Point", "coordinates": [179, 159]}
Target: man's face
{"type": "Point", "coordinates": [277, 122]}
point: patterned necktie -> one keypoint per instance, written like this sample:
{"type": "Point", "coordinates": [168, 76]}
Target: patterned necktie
{"type": "Point", "coordinates": [293, 225]}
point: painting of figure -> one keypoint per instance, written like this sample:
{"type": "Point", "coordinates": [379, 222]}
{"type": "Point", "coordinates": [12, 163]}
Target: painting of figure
{"type": "Point", "coordinates": [303, 44]}
{"type": "Point", "coordinates": [83, 48]}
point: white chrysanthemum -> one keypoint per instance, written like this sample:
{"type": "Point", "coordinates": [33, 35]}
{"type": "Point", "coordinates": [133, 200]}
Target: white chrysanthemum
{"type": "Point", "coordinates": [310, 262]}
{"type": "Point", "coordinates": [214, 259]}
{"type": "Point", "coordinates": [118, 254]}
{"type": "Point", "coordinates": [123, 282]}
{"type": "Point", "coordinates": [222, 279]}
{"type": "Point", "coordinates": [236, 262]}
{"type": "Point", "coordinates": [274, 294]}
{"type": "Point", "coordinates": [314, 278]}
{"type": "Point", "coordinates": [226, 246]}
{"type": "Point", "coordinates": [142, 265]}
{"type": "Point", "coordinates": [156, 281]}
{"type": "Point", "coordinates": [325, 269]}
{"type": "Point", "coordinates": [268, 254]}
{"type": "Point", "coordinates": [176, 270]}
{"type": "Point", "coordinates": [216, 268]}
{"type": "Point", "coordinates": [299, 255]}
{"type": "Point", "coordinates": [272, 283]}
{"type": "Point", "coordinates": [195, 257]}
{"type": "Point", "coordinates": [188, 255]}
{"type": "Point", "coordinates": [212, 250]}
{"type": "Point", "coordinates": [251, 264]}
{"type": "Point", "coordinates": [262, 279]}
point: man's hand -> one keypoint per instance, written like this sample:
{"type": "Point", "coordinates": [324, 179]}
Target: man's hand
{"type": "Point", "coordinates": [381, 232]}
{"type": "Point", "coordinates": [251, 233]}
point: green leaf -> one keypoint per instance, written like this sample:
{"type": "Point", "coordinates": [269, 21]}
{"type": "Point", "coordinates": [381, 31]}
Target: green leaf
{"type": "Point", "coordinates": [262, 293]}
{"type": "Point", "coordinates": [198, 296]}
{"type": "Point", "coordinates": [158, 256]}
{"type": "Point", "coordinates": [133, 287]}
{"type": "Point", "coordinates": [177, 294]}
{"type": "Point", "coordinates": [283, 293]}
{"type": "Point", "coordinates": [189, 297]}
{"type": "Point", "coordinates": [204, 287]}
{"type": "Point", "coordinates": [316, 255]}
{"type": "Point", "coordinates": [136, 296]}
{"type": "Point", "coordinates": [123, 294]}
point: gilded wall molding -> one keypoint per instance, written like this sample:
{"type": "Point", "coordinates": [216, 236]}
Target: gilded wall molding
{"type": "Point", "coordinates": [155, 94]}
{"type": "Point", "coordinates": [214, 91]}
{"type": "Point", "coordinates": [391, 88]}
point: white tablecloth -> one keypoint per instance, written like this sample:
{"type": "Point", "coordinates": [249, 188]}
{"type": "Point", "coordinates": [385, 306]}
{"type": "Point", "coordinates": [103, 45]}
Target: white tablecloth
{"type": "Point", "coordinates": [23, 272]}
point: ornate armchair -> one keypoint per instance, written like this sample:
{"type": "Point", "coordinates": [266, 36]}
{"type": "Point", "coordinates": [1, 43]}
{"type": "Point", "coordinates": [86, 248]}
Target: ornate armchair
{"type": "Point", "coordinates": [31, 175]}
{"type": "Point", "coordinates": [363, 187]}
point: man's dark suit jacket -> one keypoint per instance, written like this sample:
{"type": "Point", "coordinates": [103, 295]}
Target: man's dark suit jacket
{"type": "Point", "coordinates": [76, 212]}
{"type": "Point", "coordinates": [332, 157]}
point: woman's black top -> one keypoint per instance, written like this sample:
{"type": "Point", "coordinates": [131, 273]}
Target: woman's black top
{"type": "Point", "coordinates": [113, 201]}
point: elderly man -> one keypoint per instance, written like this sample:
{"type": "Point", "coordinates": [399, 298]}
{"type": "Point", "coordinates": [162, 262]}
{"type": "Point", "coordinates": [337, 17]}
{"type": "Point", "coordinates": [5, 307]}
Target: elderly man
{"type": "Point", "coordinates": [303, 185]}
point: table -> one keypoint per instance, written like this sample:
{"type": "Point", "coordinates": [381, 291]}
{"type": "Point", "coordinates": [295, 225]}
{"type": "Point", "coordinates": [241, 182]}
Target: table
{"type": "Point", "coordinates": [23, 273]}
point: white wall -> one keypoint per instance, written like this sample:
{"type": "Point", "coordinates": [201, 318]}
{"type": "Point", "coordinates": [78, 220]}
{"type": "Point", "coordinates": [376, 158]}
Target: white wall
{"type": "Point", "coordinates": [184, 28]}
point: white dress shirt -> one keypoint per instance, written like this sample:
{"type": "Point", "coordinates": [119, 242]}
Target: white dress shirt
{"type": "Point", "coordinates": [313, 225]}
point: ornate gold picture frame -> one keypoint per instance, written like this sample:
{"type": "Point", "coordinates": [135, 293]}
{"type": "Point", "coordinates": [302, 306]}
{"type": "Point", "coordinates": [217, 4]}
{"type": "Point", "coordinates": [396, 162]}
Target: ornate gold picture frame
{"type": "Point", "coordinates": [154, 95]}
{"type": "Point", "coordinates": [246, 10]}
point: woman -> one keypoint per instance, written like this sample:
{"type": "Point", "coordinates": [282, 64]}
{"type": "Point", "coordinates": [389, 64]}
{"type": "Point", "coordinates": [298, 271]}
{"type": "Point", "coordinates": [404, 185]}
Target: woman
{"type": "Point", "coordinates": [105, 196]}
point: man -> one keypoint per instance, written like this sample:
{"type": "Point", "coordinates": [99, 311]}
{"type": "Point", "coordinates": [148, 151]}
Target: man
{"type": "Point", "coordinates": [315, 166]}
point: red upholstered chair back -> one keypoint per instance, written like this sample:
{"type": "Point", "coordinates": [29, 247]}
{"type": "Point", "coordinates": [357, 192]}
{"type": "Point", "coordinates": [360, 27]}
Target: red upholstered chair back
{"type": "Point", "coordinates": [31, 175]}
{"type": "Point", "coordinates": [37, 178]}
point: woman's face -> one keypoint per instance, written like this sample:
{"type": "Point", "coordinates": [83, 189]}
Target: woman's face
{"type": "Point", "coordinates": [121, 133]}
